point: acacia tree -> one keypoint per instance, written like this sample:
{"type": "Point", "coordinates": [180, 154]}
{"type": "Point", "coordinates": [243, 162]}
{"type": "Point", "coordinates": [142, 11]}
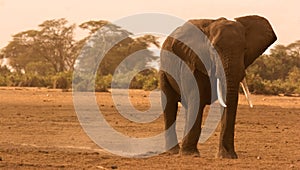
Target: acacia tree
{"type": "Point", "coordinates": [52, 45]}
{"type": "Point", "coordinates": [101, 36]}
{"type": "Point", "coordinates": [43, 55]}
{"type": "Point", "coordinates": [20, 51]}
{"type": "Point", "coordinates": [56, 44]}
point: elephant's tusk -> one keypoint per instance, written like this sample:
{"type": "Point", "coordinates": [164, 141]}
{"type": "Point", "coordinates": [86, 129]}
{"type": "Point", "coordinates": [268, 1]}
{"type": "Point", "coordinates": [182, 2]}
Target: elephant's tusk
{"type": "Point", "coordinates": [246, 91]}
{"type": "Point", "coordinates": [219, 93]}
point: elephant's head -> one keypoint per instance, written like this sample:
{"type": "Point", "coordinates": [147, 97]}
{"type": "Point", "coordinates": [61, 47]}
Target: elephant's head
{"type": "Point", "coordinates": [238, 44]}
{"type": "Point", "coordinates": [251, 36]}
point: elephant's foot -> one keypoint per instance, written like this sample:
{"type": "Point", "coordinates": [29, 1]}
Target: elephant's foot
{"type": "Point", "coordinates": [227, 154]}
{"type": "Point", "coordinates": [174, 150]}
{"type": "Point", "coordinates": [190, 152]}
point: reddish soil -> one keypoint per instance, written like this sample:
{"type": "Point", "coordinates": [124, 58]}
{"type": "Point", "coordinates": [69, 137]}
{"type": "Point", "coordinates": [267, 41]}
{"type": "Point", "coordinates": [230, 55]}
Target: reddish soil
{"type": "Point", "coordinates": [39, 129]}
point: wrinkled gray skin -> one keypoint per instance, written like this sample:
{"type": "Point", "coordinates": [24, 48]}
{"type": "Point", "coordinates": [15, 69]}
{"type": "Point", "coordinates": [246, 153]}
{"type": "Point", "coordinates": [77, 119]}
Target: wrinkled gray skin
{"type": "Point", "coordinates": [238, 43]}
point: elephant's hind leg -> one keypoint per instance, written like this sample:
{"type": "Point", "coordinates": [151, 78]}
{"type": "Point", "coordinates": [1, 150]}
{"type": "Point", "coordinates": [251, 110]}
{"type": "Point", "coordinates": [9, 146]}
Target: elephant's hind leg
{"type": "Point", "coordinates": [170, 101]}
{"type": "Point", "coordinates": [192, 133]}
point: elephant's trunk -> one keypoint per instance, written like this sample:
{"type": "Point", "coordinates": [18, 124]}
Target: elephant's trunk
{"type": "Point", "coordinates": [228, 119]}
{"type": "Point", "coordinates": [234, 74]}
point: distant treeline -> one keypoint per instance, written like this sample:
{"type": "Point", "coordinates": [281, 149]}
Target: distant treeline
{"type": "Point", "coordinates": [277, 72]}
{"type": "Point", "coordinates": [45, 57]}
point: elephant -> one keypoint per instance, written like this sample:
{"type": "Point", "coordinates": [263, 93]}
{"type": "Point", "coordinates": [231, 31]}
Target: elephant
{"type": "Point", "coordinates": [237, 44]}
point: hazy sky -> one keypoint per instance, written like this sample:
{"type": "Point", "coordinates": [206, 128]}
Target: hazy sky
{"type": "Point", "coordinates": [21, 15]}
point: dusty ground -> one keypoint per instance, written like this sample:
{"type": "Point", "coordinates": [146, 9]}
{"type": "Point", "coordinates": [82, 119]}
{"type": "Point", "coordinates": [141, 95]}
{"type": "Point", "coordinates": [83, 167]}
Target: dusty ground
{"type": "Point", "coordinates": [39, 130]}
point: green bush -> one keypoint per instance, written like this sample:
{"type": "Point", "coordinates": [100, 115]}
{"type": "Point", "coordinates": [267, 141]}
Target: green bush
{"type": "Point", "coordinates": [146, 80]}
{"type": "Point", "coordinates": [3, 81]}
{"type": "Point", "coordinates": [4, 73]}
{"type": "Point", "coordinates": [151, 83]}
{"type": "Point", "coordinates": [14, 79]}
{"type": "Point", "coordinates": [103, 83]}
{"type": "Point", "coordinates": [62, 80]}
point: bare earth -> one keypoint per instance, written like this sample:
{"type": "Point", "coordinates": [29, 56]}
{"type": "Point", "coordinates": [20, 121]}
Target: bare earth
{"type": "Point", "coordinates": [39, 129]}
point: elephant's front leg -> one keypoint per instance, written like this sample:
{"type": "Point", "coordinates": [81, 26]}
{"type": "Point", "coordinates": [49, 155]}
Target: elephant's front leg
{"type": "Point", "coordinates": [226, 145]}
{"type": "Point", "coordinates": [192, 131]}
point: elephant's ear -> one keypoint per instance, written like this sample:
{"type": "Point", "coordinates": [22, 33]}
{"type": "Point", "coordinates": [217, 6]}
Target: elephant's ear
{"type": "Point", "coordinates": [259, 36]}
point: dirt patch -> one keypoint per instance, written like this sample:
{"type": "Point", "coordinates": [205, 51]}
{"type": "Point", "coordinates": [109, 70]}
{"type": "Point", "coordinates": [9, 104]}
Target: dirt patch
{"type": "Point", "coordinates": [39, 129]}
